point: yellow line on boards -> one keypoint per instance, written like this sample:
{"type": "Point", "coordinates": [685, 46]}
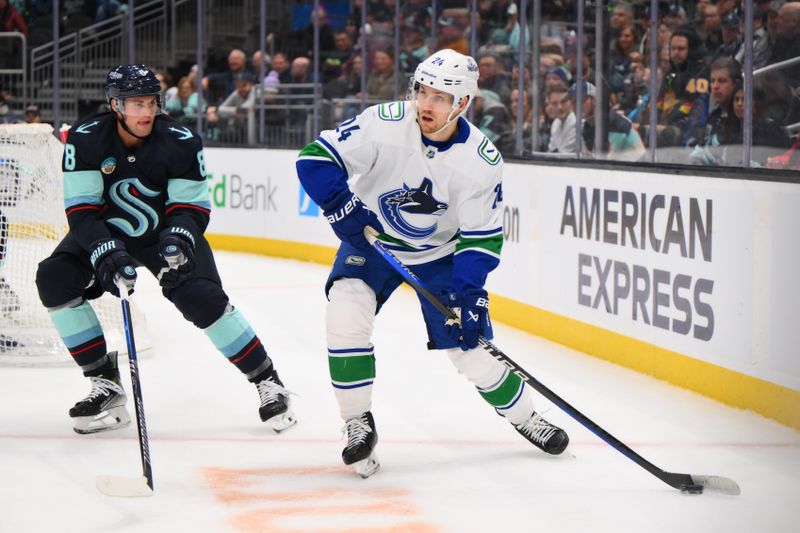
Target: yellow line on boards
{"type": "Point", "coordinates": [727, 386]}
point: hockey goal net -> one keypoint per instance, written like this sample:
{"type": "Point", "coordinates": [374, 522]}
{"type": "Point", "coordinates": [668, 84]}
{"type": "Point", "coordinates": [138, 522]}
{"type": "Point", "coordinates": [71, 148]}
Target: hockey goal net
{"type": "Point", "coordinates": [32, 223]}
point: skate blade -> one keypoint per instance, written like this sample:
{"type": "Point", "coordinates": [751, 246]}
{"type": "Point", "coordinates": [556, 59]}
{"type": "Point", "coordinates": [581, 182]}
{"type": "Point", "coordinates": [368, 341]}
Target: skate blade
{"type": "Point", "coordinates": [109, 420]}
{"type": "Point", "coordinates": [123, 487]}
{"type": "Point", "coordinates": [367, 467]}
{"type": "Point", "coordinates": [282, 421]}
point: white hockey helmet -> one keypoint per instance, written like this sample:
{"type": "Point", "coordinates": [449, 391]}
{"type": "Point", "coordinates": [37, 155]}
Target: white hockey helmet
{"type": "Point", "coordinates": [450, 72]}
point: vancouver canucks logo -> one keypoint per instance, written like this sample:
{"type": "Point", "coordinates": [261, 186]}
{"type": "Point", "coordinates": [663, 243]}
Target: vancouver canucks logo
{"type": "Point", "coordinates": [405, 208]}
{"type": "Point", "coordinates": [124, 194]}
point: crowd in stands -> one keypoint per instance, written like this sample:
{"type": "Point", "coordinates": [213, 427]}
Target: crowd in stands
{"type": "Point", "coordinates": [699, 101]}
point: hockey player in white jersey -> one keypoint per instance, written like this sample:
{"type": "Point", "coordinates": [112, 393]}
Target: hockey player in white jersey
{"type": "Point", "coordinates": [431, 183]}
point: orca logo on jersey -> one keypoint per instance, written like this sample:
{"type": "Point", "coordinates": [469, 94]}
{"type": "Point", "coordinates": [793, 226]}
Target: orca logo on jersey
{"type": "Point", "coordinates": [401, 207]}
{"type": "Point", "coordinates": [123, 196]}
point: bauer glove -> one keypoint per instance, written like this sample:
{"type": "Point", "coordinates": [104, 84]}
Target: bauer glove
{"type": "Point", "coordinates": [176, 248]}
{"type": "Point", "coordinates": [348, 217]}
{"type": "Point", "coordinates": [473, 308]}
{"type": "Point", "coordinates": [110, 261]}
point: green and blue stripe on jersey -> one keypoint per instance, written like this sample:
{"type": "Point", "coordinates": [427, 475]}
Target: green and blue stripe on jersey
{"type": "Point", "coordinates": [322, 171]}
{"type": "Point", "coordinates": [477, 253]}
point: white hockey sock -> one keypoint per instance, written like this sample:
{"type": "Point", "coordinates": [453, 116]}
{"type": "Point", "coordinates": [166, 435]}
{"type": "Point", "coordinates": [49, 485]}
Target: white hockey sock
{"type": "Point", "coordinates": [351, 356]}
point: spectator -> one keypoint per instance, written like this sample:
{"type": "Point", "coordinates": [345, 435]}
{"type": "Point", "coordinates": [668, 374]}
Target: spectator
{"type": "Point", "coordinates": [769, 140]}
{"type": "Point", "coordinates": [624, 143]}
{"type": "Point", "coordinates": [260, 66]}
{"type": "Point", "coordinates": [493, 77]}
{"type": "Point", "coordinates": [508, 142]}
{"type": "Point", "coordinates": [11, 19]}
{"type": "Point", "coordinates": [711, 32]}
{"type": "Point", "coordinates": [787, 40]}
{"type": "Point", "coordinates": [336, 59]}
{"type": "Point", "coordinates": [381, 81]}
{"type": "Point", "coordinates": [562, 131]}
{"type": "Point", "coordinates": [731, 38]}
{"type": "Point", "coordinates": [32, 115]}
{"type": "Point", "coordinates": [721, 123]}
{"type": "Point", "coordinates": [185, 104]}
{"type": "Point", "coordinates": [725, 74]}
{"type": "Point", "coordinates": [683, 97]}
{"type": "Point", "coordinates": [219, 85]}
{"type": "Point", "coordinates": [621, 16]}
{"type": "Point", "coordinates": [761, 45]}
{"type": "Point", "coordinates": [281, 70]}
{"type": "Point", "coordinates": [491, 116]}
{"type": "Point", "coordinates": [167, 89]}
{"type": "Point", "coordinates": [626, 42]}
{"type": "Point", "coordinates": [232, 113]}
{"type": "Point", "coordinates": [413, 42]}
{"type": "Point", "coordinates": [451, 35]}
{"type": "Point", "coordinates": [556, 76]}
{"type": "Point", "coordinates": [675, 17]}
{"type": "Point", "coordinates": [107, 9]}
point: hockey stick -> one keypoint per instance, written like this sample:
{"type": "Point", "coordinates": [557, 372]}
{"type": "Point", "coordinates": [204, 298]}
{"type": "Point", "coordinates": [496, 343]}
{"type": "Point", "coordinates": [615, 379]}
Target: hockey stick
{"type": "Point", "coordinates": [692, 484]}
{"type": "Point", "coordinates": [123, 486]}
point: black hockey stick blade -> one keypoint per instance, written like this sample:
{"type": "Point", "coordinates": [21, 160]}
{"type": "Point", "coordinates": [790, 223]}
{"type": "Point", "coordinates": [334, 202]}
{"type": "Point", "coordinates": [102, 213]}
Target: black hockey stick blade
{"type": "Point", "coordinates": [140, 486]}
{"type": "Point", "coordinates": [684, 482]}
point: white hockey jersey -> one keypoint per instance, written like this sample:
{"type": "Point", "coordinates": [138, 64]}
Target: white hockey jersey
{"type": "Point", "coordinates": [433, 198]}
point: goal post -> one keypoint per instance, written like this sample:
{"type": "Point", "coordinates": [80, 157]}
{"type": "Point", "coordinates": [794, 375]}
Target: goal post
{"type": "Point", "coordinates": [32, 223]}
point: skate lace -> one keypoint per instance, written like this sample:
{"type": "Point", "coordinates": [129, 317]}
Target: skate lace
{"type": "Point", "coordinates": [269, 391]}
{"type": "Point", "coordinates": [102, 387]}
{"type": "Point", "coordinates": [538, 429]}
{"type": "Point", "coordinates": [357, 430]}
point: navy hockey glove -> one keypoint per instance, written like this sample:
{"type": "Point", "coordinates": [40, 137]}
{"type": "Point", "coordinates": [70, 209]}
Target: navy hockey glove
{"type": "Point", "coordinates": [348, 217]}
{"type": "Point", "coordinates": [176, 247]}
{"type": "Point", "coordinates": [473, 307]}
{"type": "Point", "coordinates": [110, 261]}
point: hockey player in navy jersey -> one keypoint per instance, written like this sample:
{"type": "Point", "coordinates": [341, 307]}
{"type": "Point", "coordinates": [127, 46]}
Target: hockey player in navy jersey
{"type": "Point", "coordinates": [431, 183]}
{"type": "Point", "coordinates": [135, 194]}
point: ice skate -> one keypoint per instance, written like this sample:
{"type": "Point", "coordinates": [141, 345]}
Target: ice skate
{"type": "Point", "coordinates": [104, 408]}
{"type": "Point", "coordinates": [361, 440]}
{"type": "Point", "coordinates": [544, 435]}
{"type": "Point", "coordinates": [275, 407]}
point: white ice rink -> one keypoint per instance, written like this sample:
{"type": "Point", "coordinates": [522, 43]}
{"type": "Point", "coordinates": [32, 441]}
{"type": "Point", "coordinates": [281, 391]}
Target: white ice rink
{"type": "Point", "coordinates": [449, 463]}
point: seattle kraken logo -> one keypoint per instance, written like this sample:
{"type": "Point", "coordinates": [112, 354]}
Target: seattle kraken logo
{"type": "Point", "coordinates": [123, 193]}
{"type": "Point", "coordinates": [396, 205]}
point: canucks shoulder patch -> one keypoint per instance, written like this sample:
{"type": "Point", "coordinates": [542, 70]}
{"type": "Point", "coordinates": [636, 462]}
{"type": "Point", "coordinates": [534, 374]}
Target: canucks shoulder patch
{"type": "Point", "coordinates": [392, 111]}
{"type": "Point", "coordinates": [488, 152]}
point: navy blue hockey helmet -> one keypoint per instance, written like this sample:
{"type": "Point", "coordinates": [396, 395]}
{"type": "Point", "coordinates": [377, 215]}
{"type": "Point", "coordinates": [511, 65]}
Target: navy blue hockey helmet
{"type": "Point", "coordinates": [126, 81]}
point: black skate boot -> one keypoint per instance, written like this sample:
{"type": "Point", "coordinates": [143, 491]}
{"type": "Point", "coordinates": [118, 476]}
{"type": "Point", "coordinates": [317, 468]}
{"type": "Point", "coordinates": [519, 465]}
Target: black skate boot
{"type": "Point", "coordinates": [544, 435]}
{"type": "Point", "coordinates": [104, 408]}
{"type": "Point", "coordinates": [275, 407]}
{"type": "Point", "coordinates": [361, 440]}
